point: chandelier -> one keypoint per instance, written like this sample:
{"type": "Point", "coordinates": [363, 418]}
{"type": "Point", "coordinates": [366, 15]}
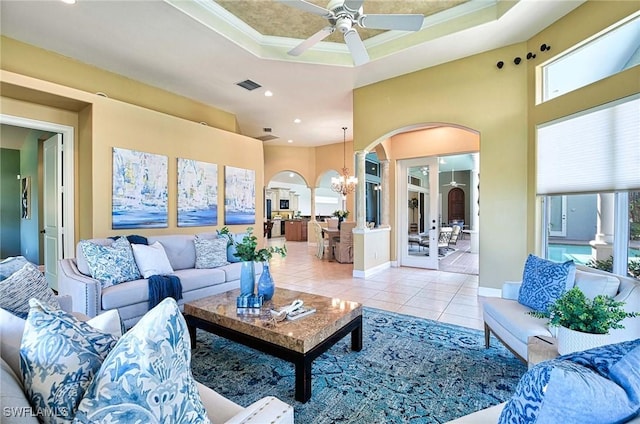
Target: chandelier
{"type": "Point", "coordinates": [344, 183]}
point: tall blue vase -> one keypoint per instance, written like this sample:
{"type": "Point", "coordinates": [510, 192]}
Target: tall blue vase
{"type": "Point", "coordinates": [266, 286]}
{"type": "Point", "coordinates": [247, 278]}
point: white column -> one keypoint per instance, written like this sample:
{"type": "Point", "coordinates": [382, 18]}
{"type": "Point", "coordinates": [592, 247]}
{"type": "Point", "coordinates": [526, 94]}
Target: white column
{"type": "Point", "coordinates": [313, 203]}
{"type": "Point", "coordinates": [360, 190]}
{"type": "Point", "coordinates": [384, 168]}
{"type": "Point", "coordinates": [603, 243]}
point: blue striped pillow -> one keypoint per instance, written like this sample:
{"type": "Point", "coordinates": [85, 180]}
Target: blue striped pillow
{"type": "Point", "coordinates": [22, 285]}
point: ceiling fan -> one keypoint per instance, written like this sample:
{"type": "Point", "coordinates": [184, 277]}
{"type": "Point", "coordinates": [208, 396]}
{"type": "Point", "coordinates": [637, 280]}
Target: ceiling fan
{"type": "Point", "coordinates": [344, 15]}
{"type": "Point", "coordinates": [453, 182]}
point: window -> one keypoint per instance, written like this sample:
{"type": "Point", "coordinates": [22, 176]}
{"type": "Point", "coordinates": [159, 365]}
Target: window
{"type": "Point", "coordinates": [608, 53]}
{"type": "Point", "coordinates": [587, 175]}
{"type": "Point", "coordinates": [372, 190]}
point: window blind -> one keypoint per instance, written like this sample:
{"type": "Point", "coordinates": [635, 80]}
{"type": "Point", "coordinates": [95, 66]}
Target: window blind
{"type": "Point", "coordinates": [594, 151]}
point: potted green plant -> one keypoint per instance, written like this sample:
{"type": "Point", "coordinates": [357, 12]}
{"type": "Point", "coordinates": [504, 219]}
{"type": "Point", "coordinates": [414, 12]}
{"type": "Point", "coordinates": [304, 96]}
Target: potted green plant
{"type": "Point", "coordinates": [584, 323]}
{"type": "Point", "coordinates": [340, 214]}
{"type": "Point", "coordinates": [247, 251]}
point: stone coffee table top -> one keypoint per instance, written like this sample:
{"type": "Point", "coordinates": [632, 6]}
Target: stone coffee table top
{"type": "Point", "coordinates": [300, 335]}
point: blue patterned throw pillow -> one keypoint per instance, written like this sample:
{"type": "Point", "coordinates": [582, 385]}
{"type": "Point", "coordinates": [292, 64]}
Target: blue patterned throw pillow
{"type": "Point", "coordinates": [544, 281]}
{"type": "Point", "coordinates": [59, 356]}
{"type": "Point", "coordinates": [563, 391]}
{"type": "Point", "coordinates": [111, 264]}
{"type": "Point", "coordinates": [210, 253]}
{"type": "Point", "coordinates": [147, 376]}
{"type": "Point", "coordinates": [24, 284]}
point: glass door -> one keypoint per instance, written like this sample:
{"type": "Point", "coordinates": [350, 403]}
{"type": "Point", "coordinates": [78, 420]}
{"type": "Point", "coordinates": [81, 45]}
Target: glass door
{"type": "Point", "coordinates": [417, 212]}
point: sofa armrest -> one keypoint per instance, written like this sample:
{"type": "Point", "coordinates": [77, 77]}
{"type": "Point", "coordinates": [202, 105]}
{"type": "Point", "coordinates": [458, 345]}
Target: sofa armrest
{"type": "Point", "coordinates": [511, 290]}
{"type": "Point", "coordinates": [85, 291]}
{"type": "Point", "coordinates": [267, 410]}
{"type": "Point", "coordinates": [66, 302]}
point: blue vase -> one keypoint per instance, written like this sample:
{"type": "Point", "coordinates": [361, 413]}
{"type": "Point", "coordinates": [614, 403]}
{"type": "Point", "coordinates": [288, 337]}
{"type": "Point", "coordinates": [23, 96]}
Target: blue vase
{"type": "Point", "coordinates": [247, 278]}
{"type": "Point", "coordinates": [266, 287]}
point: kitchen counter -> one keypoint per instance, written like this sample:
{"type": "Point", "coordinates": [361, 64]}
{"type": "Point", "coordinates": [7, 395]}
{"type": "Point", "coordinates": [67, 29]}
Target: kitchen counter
{"type": "Point", "coordinates": [295, 229]}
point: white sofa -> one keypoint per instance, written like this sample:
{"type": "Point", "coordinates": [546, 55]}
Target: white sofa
{"type": "Point", "coordinates": [15, 407]}
{"type": "Point", "coordinates": [510, 322]}
{"type": "Point", "coordinates": [131, 298]}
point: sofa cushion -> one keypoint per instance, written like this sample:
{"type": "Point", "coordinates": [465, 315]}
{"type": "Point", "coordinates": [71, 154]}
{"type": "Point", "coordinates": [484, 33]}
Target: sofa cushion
{"type": "Point", "coordinates": [515, 318]}
{"type": "Point", "coordinates": [24, 284]}
{"type": "Point", "coordinates": [59, 357]}
{"type": "Point", "coordinates": [179, 248]}
{"type": "Point", "coordinates": [110, 264]}
{"type": "Point", "coordinates": [10, 265]}
{"type": "Point", "coordinates": [576, 391]}
{"type": "Point", "coordinates": [151, 259]}
{"type": "Point", "coordinates": [544, 281]}
{"type": "Point", "coordinates": [157, 386]}
{"type": "Point", "coordinates": [14, 404]}
{"type": "Point", "coordinates": [592, 284]}
{"type": "Point", "coordinates": [81, 261]}
{"type": "Point", "coordinates": [210, 253]}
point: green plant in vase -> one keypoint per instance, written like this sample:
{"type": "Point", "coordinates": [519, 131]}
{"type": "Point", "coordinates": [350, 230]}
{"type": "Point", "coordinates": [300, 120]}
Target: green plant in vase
{"type": "Point", "coordinates": [247, 250]}
{"type": "Point", "coordinates": [577, 313]}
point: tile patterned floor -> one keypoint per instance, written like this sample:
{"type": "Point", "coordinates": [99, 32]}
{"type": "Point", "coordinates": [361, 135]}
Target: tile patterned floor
{"type": "Point", "coordinates": [437, 295]}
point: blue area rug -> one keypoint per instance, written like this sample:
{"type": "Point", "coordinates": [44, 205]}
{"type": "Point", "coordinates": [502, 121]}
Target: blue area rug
{"type": "Point", "coordinates": [410, 370]}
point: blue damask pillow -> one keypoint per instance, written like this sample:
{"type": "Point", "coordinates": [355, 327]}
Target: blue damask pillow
{"type": "Point", "coordinates": [564, 391]}
{"type": "Point", "coordinates": [111, 264]}
{"type": "Point", "coordinates": [147, 376]}
{"type": "Point", "coordinates": [544, 281]}
{"type": "Point", "coordinates": [59, 356]}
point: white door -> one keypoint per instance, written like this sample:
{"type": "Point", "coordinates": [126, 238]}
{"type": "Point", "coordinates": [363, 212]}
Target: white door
{"type": "Point", "coordinates": [418, 179]}
{"type": "Point", "coordinates": [52, 213]}
{"type": "Point", "coordinates": [558, 216]}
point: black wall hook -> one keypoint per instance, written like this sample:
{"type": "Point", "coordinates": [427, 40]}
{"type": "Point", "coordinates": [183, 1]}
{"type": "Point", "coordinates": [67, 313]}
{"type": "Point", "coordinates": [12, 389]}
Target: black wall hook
{"type": "Point", "coordinates": [530, 56]}
{"type": "Point", "coordinates": [500, 64]}
{"type": "Point", "coordinates": [517, 60]}
{"type": "Point", "coordinates": [544, 47]}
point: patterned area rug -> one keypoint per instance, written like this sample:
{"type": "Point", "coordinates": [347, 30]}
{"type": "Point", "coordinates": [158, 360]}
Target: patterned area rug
{"type": "Point", "coordinates": [410, 370]}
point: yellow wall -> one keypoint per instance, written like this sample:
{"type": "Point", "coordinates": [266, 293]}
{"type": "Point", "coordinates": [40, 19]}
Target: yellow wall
{"type": "Point", "coordinates": [106, 123]}
{"type": "Point", "coordinates": [500, 106]}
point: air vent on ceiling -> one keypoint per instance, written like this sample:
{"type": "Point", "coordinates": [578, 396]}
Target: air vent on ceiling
{"type": "Point", "coordinates": [267, 129]}
{"type": "Point", "coordinates": [267, 137]}
{"type": "Point", "coordinates": [248, 85]}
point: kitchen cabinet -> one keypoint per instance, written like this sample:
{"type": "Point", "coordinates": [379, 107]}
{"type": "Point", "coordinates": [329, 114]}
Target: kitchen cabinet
{"type": "Point", "coordinates": [295, 230]}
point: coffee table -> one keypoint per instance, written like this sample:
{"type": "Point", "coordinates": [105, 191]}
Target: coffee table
{"type": "Point", "coordinates": [299, 342]}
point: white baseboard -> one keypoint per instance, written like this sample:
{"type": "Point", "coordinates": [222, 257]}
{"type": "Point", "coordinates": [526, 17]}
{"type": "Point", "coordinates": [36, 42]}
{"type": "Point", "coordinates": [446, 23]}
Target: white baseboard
{"type": "Point", "coordinates": [489, 292]}
{"type": "Point", "coordinates": [371, 271]}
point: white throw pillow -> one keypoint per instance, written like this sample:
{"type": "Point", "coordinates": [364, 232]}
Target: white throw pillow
{"type": "Point", "coordinates": [592, 284]}
{"type": "Point", "coordinates": [152, 259]}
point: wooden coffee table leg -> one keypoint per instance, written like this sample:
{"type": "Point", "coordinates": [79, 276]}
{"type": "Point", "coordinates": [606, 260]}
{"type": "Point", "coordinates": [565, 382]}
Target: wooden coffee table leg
{"type": "Point", "coordinates": [356, 337]}
{"type": "Point", "coordinates": [303, 379]}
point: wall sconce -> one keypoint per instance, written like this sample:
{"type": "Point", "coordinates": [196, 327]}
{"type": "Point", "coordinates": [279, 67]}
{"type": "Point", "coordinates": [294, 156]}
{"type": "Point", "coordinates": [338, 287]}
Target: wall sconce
{"type": "Point", "coordinates": [517, 60]}
{"type": "Point", "coordinates": [530, 56]}
{"type": "Point", "coordinates": [500, 64]}
{"type": "Point", "coordinates": [544, 47]}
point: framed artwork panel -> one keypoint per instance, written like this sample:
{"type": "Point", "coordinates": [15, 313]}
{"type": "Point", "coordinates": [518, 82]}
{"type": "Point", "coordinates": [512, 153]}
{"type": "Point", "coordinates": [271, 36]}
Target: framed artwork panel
{"type": "Point", "coordinates": [197, 193]}
{"type": "Point", "coordinates": [239, 196]}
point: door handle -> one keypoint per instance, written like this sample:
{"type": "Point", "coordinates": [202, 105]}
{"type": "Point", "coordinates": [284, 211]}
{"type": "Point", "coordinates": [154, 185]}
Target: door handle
{"type": "Point", "coordinates": [43, 231]}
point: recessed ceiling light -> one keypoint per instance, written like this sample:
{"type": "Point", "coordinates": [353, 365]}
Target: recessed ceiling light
{"type": "Point", "coordinates": [291, 175]}
{"type": "Point", "coordinates": [69, 1]}
{"type": "Point", "coordinates": [297, 121]}
{"type": "Point", "coordinates": [289, 141]}
{"type": "Point", "coordinates": [268, 93]}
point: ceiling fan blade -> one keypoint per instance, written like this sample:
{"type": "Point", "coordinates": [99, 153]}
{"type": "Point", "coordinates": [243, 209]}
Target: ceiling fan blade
{"type": "Point", "coordinates": [307, 7]}
{"type": "Point", "coordinates": [356, 47]}
{"type": "Point", "coordinates": [353, 5]}
{"type": "Point", "coordinates": [311, 41]}
{"type": "Point", "coordinates": [400, 22]}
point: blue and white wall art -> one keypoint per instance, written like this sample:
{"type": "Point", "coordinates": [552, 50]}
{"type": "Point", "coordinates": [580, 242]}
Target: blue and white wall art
{"type": "Point", "coordinates": [239, 196]}
{"type": "Point", "coordinates": [139, 190]}
{"type": "Point", "coordinates": [197, 193]}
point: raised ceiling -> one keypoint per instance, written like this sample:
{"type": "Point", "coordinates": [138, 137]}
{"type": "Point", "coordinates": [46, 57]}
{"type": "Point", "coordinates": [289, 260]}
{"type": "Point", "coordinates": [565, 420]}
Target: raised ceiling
{"type": "Point", "coordinates": [200, 49]}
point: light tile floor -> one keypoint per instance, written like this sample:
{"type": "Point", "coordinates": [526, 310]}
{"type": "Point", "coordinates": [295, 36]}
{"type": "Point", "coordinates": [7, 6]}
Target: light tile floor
{"type": "Point", "coordinates": [441, 296]}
